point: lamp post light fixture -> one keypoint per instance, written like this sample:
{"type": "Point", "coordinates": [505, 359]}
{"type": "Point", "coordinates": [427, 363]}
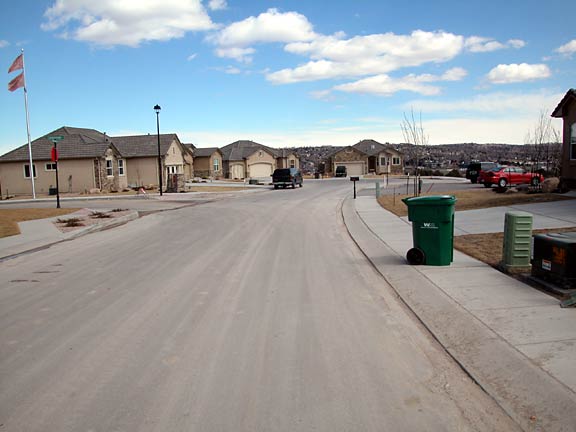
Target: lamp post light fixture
{"type": "Point", "coordinates": [157, 109]}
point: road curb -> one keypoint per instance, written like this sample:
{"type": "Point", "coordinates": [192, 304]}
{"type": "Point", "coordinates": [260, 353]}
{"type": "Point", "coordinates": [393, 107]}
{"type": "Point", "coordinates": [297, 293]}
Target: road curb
{"type": "Point", "coordinates": [104, 224]}
{"type": "Point", "coordinates": [531, 397]}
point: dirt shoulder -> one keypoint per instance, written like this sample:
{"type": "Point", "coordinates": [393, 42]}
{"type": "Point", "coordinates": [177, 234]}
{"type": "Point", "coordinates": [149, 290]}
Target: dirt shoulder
{"type": "Point", "coordinates": [9, 218]}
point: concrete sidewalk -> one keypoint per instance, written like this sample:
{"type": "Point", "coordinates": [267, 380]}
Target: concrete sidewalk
{"type": "Point", "coordinates": [42, 233]}
{"type": "Point", "coordinates": [515, 341]}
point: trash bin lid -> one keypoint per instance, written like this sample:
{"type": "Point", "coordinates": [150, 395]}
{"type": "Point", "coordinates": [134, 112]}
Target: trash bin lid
{"type": "Point", "coordinates": [430, 200]}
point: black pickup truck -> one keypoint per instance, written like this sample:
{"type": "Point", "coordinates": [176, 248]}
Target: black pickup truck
{"type": "Point", "coordinates": [287, 177]}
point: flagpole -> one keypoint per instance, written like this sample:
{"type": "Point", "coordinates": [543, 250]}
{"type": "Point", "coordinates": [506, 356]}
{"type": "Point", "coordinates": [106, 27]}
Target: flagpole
{"type": "Point", "coordinates": [28, 130]}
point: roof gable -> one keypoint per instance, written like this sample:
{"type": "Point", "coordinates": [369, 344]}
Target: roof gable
{"type": "Point", "coordinates": [78, 143]}
{"type": "Point", "coordinates": [566, 101]}
{"type": "Point", "coordinates": [145, 145]}
{"type": "Point", "coordinates": [206, 152]}
{"type": "Point", "coordinates": [240, 150]}
{"type": "Point", "coordinates": [369, 147]}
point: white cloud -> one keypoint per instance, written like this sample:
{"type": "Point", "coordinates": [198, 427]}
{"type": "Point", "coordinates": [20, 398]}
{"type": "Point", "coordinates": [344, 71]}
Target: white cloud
{"type": "Point", "coordinates": [334, 57]}
{"type": "Point", "coordinates": [129, 22]}
{"type": "Point", "coordinates": [567, 49]}
{"type": "Point", "coordinates": [384, 85]}
{"type": "Point", "coordinates": [513, 73]}
{"type": "Point", "coordinates": [4, 43]}
{"type": "Point", "coordinates": [272, 26]}
{"type": "Point", "coordinates": [482, 44]}
{"type": "Point", "coordinates": [191, 57]}
{"type": "Point", "coordinates": [217, 5]}
{"type": "Point", "coordinates": [498, 104]}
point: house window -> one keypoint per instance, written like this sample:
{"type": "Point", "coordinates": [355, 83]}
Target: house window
{"type": "Point", "coordinates": [50, 166]}
{"type": "Point", "coordinates": [121, 167]}
{"type": "Point", "coordinates": [27, 170]}
{"type": "Point", "coordinates": [109, 168]}
{"type": "Point", "coordinates": [292, 163]}
{"type": "Point", "coordinates": [260, 154]}
{"type": "Point", "coordinates": [382, 161]}
{"type": "Point", "coordinates": [395, 160]}
{"type": "Point", "coordinates": [573, 141]}
{"type": "Point", "coordinates": [216, 163]}
{"type": "Point", "coordinates": [173, 169]}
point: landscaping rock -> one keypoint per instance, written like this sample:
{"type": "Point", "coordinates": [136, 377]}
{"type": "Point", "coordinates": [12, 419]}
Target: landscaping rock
{"type": "Point", "coordinates": [550, 184]}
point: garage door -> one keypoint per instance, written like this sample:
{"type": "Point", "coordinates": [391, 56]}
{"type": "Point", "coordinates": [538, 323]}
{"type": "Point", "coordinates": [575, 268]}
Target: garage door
{"type": "Point", "coordinates": [237, 171]}
{"type": "Point", "coordinates": [353, 169]}
{"type": "Point", "coordinates": [260, 170]}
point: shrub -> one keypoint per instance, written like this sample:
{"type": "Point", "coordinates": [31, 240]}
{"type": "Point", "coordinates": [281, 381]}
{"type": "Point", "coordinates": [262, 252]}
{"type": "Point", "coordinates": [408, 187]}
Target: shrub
{"type": "Point", "coordinates": [100, 215]}
{"type": "Point", "coordinates": [453, 173]}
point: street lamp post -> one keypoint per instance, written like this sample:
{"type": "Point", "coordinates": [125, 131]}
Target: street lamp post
{"type": "Point", "coordinates": [157, 109]}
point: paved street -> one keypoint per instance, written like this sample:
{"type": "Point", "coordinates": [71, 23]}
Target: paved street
{"type": "Point", "coordinates": [256, 313]}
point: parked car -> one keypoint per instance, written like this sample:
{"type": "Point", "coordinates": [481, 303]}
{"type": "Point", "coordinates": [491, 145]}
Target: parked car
{"type": "Point", "coordinates": [340, 171]}
{"type": "Point", "coordinates": [287, 177]}
{"type": "Point", "coordinates": [476, 168]}
{"type": "Point", "coordinates": [509, 175]}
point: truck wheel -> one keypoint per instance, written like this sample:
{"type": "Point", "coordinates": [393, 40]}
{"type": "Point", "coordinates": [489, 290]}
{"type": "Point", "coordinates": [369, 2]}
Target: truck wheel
{"type": "Point", "coordinates": [300, 184]}
{"type": "Point", "coordinates": [275, 186]}
{"type": "Point", "coordinates": [293, 185]}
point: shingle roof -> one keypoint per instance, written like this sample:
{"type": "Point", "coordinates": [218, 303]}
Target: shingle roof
{"type": "Point", "coordinates": [78, 143]}
{"type": "Point", "coordinates": [570, 96]}
{"type": "Point", "coordinates": [205, 152]}
{"type": "Point", "coordinates": [240, 150]}
{"type": "Point", "coordinates": [369, 147]}
{"type": "Point", "coordinates": [143, 145]}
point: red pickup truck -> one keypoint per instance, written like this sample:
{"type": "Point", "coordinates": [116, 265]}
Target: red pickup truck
{"type": "Point", "coordinates": [509, 175]}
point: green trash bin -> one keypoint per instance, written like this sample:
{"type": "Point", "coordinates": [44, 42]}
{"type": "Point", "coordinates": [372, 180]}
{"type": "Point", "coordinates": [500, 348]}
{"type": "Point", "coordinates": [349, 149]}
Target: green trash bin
{"type": "Point", "coordinates": [432, 220]}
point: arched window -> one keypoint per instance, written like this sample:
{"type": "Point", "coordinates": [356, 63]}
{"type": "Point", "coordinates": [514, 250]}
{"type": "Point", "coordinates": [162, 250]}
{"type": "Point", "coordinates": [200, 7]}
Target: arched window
{"type": "Point", "coordinates": [573, 141]}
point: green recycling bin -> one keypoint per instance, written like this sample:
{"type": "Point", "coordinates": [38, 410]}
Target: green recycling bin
{"type": "Point", "coordinates": [432, 220]}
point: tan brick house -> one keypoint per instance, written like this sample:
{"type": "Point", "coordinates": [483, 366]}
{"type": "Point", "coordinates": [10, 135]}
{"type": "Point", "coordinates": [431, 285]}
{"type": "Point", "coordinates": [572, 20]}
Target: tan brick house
{"type": "Point", "coordinates": [365, 157]}
{"type": "Point", "coordinates": [207, 162]}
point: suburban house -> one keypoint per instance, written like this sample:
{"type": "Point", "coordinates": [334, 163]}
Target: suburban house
{"type": "Point", "coordinates": [141, 154]}
{"type": "Point", "coordinates": [566, 110]}
{"type": "Point", "coordinates": [287, 158]}
{"type": "Point", "coordinates": [246, 159]}
{"type": "Point", "coordinates": [207, 162]}
{"type": "Point", "coordinates": [366, 157]}
{"type": "Point", "coordinates": [87, 159]}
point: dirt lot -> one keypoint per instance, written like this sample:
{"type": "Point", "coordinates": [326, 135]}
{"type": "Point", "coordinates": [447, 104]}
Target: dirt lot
{"type": "Point", "coordinates": [9, 218]}
{"type": "Point", "coordinates": [484, 247]}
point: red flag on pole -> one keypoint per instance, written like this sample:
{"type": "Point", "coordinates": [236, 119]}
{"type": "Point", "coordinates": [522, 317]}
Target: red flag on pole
{"type": "Point", "coordinates": [17, 64]}
{"type": "Point", "coordinates": [16, 83]}
{"type": "Point", "coordinates": [54, 154]}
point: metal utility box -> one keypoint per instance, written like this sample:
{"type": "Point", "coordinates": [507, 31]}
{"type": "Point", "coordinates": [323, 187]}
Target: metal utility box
{"type": "Point", "coordinates": [517, 239]}
{"type": "Point", "coordinates": [554, 257]}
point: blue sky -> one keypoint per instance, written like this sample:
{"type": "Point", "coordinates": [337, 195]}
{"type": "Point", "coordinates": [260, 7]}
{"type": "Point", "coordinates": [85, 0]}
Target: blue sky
{"type": "Point", "coordinates": [287, 73]}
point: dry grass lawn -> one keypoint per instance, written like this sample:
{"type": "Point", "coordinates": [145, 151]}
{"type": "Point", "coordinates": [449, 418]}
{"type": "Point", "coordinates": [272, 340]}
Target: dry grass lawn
{"type": "Point", "coordinates": [488, 247]}
{"type": "Point", "coordinates": [484, 247]}
{"type": "Point", "coordinates": [9, 218]}
{"type": "Point", "coordinates": [473, 199]}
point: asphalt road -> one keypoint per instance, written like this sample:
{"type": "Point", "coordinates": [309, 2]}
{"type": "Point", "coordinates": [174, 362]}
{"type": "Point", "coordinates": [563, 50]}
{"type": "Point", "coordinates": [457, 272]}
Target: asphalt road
{"type": "Point", "coordinates": [250, 314]}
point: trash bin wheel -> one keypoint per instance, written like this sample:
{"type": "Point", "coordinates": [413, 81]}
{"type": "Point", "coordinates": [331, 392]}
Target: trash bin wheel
{"type": "Point", "coordinates": [416, 256]}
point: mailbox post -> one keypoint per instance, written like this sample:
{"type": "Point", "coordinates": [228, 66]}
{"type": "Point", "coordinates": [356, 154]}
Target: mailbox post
{"type": "Point", "coordinates": [54, 156]}
{"type": "Point", "coordinates": [354, 179]}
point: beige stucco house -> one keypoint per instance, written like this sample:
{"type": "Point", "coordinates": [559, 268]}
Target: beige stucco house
{"type": "Point", "coordinates": [207, 162]}
{"type": "Point", "coordinates": [365, 157]}
{"type": "Point", "coordinates": [287, 158]}
{"type": "Point", "coordinates": [566, 110]}
{"type": "Point", "coordinates": [248, 159]}
{"type": "Point", "coordinates": [87, 160]}
{"type": "Point", "coordinates": [141, 154]}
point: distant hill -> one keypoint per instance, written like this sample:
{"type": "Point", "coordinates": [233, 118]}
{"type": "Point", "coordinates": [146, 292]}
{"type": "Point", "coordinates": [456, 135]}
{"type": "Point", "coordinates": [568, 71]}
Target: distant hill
{"type": "Point", "coordinates": [447, 155]}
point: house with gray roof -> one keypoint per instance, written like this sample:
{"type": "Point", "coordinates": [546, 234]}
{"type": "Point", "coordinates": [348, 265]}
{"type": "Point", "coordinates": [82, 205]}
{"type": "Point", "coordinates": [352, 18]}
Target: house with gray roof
{"type": "Point", "coordinates": [87, 159]}
{"type": "Point", "coordinates": [141, 154]}
{"type": "Point", "coordinates": [366, 157]}
{"type": "Point", "coordinates": [208, 162]}
{"type": "Point", "coordinates": [249, 159]}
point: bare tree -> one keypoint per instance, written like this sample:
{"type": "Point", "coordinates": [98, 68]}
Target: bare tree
{"type": "Point", "coordinates": [414, 134]}
{"type": "Point", "coordinates": [544, 140]}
